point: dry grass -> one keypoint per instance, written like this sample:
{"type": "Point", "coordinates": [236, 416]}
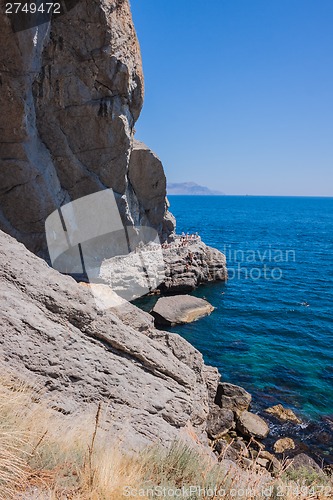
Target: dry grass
{"type": "Point", "coordinates": [45, 455]}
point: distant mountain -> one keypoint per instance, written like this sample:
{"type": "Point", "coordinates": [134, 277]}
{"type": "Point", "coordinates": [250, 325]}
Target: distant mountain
{"type": "Point", "coordinates": [190, 188]}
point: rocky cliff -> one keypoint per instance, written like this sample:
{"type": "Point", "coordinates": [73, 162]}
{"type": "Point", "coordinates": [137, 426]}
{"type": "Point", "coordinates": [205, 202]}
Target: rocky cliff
{"type": "Point", "coordinates": [71, 91]}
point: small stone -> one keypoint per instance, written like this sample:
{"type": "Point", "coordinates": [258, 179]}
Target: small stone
{"type": "Point", "coordinates": [250, 424]}
{"type": "Point", "coordinates": [241, 447]}
{"type": "Point", "coordinates": [283, 444]}
{"type": "Point", "coordinates": [247, 463]}
{"type": "Point", "coordinates": [233, 434]}
{"type": "Point", "coordinates": [263, 462]}
{"type": "Point", "coordinates": [284, 414]}
{"type": "Point", "coordinates": [226, 451]}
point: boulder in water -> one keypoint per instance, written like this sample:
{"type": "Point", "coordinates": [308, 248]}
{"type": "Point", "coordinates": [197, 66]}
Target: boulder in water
{"type": "Point", "coordinates": [180, 309]}
{"type": "Point", "coordinates": [284, 414]}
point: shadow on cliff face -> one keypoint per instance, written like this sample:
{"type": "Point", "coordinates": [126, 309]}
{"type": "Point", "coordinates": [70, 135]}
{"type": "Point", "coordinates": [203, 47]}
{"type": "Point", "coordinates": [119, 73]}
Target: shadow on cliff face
{"type": "Point", "coordinates": [71, 91]}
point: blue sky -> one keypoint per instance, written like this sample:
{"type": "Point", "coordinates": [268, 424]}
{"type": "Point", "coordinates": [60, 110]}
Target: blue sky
{"type": "Point", "coordinates": [239, 93]}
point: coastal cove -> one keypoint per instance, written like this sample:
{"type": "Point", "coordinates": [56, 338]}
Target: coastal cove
{"type": "Point", "coordinates": [270, 333]}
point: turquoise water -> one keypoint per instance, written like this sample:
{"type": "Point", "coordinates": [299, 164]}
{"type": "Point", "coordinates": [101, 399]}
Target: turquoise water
{"type": "Point", "coordinates": [272, 330]}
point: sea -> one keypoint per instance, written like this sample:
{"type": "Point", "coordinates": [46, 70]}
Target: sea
{"type": "Point", "coordinates": [272, 328]}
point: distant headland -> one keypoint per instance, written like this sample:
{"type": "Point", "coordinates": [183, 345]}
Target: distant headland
{"type": "Point", "coordinates": [191, 188]}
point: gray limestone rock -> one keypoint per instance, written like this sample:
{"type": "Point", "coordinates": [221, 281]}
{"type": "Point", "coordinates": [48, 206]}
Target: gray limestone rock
{"type": "Point", "coordinates": [220, 422]}
{"type": "Point", "coordinates": [250, 424]}
{"type": "Point", "coordinates": [71, 92]}
{"type": "Point", "coordinates": [146, 175]}
{"type": "Point", "coordinates": [303, 461]}
{"type": "Point", "coordinates": [189, 265]}
{"type": "Point", "coordinates": [212, 378]}
{"type": "Point", "coordinates": [179, 309]}
{"type": "Point", "coordinates": [151, 383]}
{"type": "Point", "coordinates": [232, 397]}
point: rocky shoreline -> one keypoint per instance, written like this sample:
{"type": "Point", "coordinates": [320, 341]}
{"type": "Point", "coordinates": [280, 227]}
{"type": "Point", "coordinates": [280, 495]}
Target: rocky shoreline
{"type": "Point", "coordinates": [72, 90]}
{"type": "Point", "coordinates": [250, 433]}
{"type": "Point", "coordinates": [239, 434]}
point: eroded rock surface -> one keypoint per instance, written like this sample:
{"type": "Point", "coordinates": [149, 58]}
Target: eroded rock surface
{"type": "Point", "coordinates": [151, 382]}
{"type": "Point", "coordinates": [283, 414]}
{"type": "Point", "coordinates": [188, 266]}
{"type": "Point", "coordinates": [283, 444]}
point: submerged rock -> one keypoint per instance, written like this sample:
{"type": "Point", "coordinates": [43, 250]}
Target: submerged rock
{"type": "Point", "coordinates": [284, 414]}
{"type": "Point", "coordinates": [180, 309]}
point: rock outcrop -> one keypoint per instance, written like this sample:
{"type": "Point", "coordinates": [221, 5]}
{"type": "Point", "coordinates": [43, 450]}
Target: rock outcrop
{"type": "Point", "coordinates": [283, 414]}
{"type": "Point", "coordinates": [283, 444]}
{"type": "Point", "coordinates": [190, 263]}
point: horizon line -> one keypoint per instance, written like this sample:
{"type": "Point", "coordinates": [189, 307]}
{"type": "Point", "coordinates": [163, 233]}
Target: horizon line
{"type": "Point", "coordinates": [256, 195]}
